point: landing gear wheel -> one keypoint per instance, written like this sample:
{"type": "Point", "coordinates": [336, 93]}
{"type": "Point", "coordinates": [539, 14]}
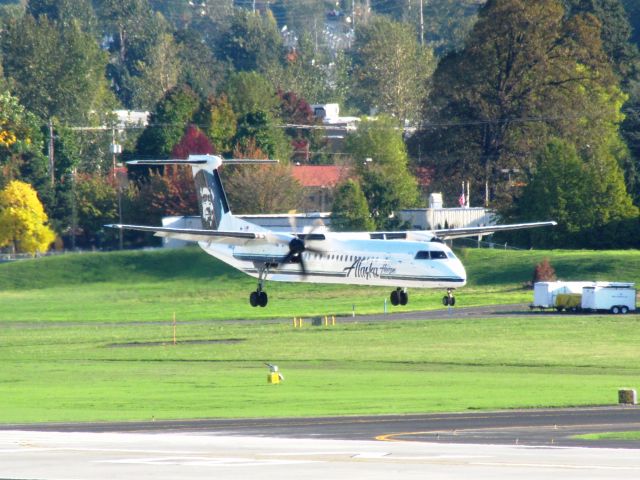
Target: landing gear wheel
{"type": "Point", "coordinates": [449, 300]}
{"type": "Point", "coordinates": [404, 297]}
{"type": "Point", "coordinates": [262, 299]}
{"type": "Point", "coordinates": [253, 299]}
{"type": "Point", "coordinates": [395, 298]}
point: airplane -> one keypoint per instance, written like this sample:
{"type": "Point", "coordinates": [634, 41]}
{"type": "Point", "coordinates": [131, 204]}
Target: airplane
{"type": "Point", "coordinates": [402, 259]}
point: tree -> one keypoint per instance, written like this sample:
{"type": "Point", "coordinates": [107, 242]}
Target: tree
{"type": "Point", "coordinates": [168, 122]}
{"type": "Point", "coordinates": [446, 22]}
{"type": "Point", "coordinates": [199, 67]}
{"type": "Point", "coordinates": [261, 128]}
{"type": "Point", "coordinates": [64, 12]}
{"type": "Point", "coordinates": [132, 31]}
{"type": "Point", "coordinates": [251, 92]}
{"type": "Point", "coordinates": [220, 122]}
{"type": "Point", "coordinates": [157, 73]}
{"type": "Point", "coordinates": [520, 80]}
{"type": "Point", "coordinates": [580, 195]}
{"type": "Point", "coordinates": [262, 189]}
{"type": "Point", "coordinates": [23, 220]}
{"type": "Point", "coordinates": [55, 71]}
{"type": "Point", "coordinates": [96, 198]}
{"type": "Point", "coordinates": [21, 146]}
{"type": "Point", "coordinates": [615, 31]}
{"type": "Point", "coordinates": [381, 160]}
{"type": "Point", "coordinates": [193, 142]}
{"type": "Point", "coordinates": [633, 11]}
{"type": "Point", "coordinates": [307, 142]}
{"type": "Point", "coordinates": [304, 17]}
{"type": "Point", "coordinates": [391, 70]}
{"type": "Point", "coordinates": [303, 72]}
{"type": "Point", "coordinates": [252, 43]}
{"type": "Point", "coordinates": [350, 211]}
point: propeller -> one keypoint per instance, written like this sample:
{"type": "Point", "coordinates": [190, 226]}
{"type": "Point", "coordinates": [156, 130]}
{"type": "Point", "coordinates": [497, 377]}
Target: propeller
{"type": "Point", "coordinates": [298, 244]}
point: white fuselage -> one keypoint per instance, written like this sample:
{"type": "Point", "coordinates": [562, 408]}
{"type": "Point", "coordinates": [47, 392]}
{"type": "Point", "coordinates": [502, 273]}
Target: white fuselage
{"type": "Point", "coordinates": [343, 259]}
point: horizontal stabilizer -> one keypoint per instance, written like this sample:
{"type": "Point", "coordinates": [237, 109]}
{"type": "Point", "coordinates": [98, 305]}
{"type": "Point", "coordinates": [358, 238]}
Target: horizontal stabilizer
{"type": "Point", "coordinates": [213, 160]}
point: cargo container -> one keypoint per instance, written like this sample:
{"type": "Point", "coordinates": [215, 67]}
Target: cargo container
{"type": "Point", "coordinates": [609, 297]}
{"type": "Point", "coordinates": [545, 294]}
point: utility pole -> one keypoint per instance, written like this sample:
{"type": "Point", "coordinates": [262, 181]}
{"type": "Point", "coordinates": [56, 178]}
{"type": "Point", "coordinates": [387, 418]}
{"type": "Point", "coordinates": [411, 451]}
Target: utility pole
{"type": "Point", "coordinates": [74, 209]}
{"type": "Point", "coordinates": [421, 23]}
{"type": "Point", "coordinates": [51, 153]}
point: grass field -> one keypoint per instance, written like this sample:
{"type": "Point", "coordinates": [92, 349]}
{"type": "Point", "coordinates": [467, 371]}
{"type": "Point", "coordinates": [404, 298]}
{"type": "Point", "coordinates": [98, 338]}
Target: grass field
{"type": "Point", "coordinates": [89, 337]}
{"type": "Point", "coordinates": [631, 436]}
{"type": "Point", "coordinates": [150, 286]}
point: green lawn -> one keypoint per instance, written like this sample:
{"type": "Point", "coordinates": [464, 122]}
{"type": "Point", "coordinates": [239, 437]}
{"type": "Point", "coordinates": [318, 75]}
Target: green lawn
{"type": "Point", "coordinates": [631, 436]}
{"type": "Point", "coordinates": [151, 286]}
{"type": "Point", "coordinates": [88, 337]}
{"type": "Point", "coordinates": [58, 372]}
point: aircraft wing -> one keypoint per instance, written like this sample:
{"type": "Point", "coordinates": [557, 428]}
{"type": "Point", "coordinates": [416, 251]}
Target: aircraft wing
{"type": "Point", "coordinates": [450, 233]}
{"type": "Point", "coordinates": [200, 235]}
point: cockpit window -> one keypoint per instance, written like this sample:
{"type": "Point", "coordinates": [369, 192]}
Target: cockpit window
{"type": "Point", "coordinates": [433, 255]}
{"type": "Point", "coordinates": [451, 255]}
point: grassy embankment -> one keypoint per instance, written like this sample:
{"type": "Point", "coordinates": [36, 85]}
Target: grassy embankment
{"type": "Point", "coordinates": [107, 368]}
{"type": "Point", "coordinates": [143, 286]}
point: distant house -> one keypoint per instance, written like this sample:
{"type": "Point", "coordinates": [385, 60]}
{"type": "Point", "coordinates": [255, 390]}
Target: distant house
{"type": "Point", "coordinates": [319, 183]}
{"type": "Point", "coordinates": [131, 118]}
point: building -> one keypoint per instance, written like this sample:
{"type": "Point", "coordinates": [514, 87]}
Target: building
{"type": "Point", "coordinates": [319, 183]}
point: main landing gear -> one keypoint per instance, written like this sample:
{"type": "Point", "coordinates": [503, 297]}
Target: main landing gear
{"type": "Point", "coordinates": [399, 297]}
{"type": "Point", "coordinates": [449, 300]}
{"type": "Point", "coordinates": [259, 298]}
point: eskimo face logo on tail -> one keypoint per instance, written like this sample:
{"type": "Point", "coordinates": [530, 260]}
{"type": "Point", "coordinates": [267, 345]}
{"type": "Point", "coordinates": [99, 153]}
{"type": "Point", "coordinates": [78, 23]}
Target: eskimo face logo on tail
{"type": "Point", "coordinates": [206, 201]}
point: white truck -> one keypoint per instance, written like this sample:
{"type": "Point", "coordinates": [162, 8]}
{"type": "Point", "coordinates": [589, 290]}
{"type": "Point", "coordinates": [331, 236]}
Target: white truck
{"type": "Point", "coordinates": [614, 297]}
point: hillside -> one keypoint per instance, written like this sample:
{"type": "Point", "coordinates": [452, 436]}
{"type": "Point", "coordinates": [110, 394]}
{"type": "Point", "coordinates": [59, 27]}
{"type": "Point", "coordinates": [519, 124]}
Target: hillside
{"type": "Point", "coordinates": [485, 268]}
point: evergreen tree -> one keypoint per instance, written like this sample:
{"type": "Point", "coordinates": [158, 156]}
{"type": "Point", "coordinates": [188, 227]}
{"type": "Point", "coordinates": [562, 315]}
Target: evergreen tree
{"type": "Point", "coordinates": [580, 195]}
{"type": "Point", "coordinates": [381, 160]}
{"type": "Point", "coordinates": [350, 212]}
{"type": "Point", "coordinates": [253, 42]}
{"type": "Point", "coordinates": [168, 122]}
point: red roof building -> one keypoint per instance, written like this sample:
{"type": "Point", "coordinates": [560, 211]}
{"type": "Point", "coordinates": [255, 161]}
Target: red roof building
{"type": "Point", "coordinates": [319, 182]}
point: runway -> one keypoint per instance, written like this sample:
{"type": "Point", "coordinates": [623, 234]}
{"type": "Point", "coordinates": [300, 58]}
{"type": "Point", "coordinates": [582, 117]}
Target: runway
{"type": "Point", "coordinates": [527, 443]}
{"type": "Point", "coordinates": [532, 427]}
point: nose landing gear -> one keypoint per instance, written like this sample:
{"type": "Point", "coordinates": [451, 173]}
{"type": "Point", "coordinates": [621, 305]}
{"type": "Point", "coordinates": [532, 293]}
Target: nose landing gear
{"type": "Point", "coordinates": [449, 300]}
{"type": "Point", "coordinates": [399, 296]}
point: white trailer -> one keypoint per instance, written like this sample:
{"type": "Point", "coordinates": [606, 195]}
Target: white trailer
{"type": "Point", "coordinates": [609, 297]}
{"type": "Point", "coordinates": [546, 293]}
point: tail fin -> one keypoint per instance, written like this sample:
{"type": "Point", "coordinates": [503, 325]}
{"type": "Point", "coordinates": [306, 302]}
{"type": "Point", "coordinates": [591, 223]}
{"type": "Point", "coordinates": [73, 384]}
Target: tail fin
{"type": "Point", "coordinates": [212, 201]}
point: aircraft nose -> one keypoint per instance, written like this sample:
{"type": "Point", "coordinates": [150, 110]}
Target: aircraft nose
{"type": "Point", "coordinates": [458, 271]}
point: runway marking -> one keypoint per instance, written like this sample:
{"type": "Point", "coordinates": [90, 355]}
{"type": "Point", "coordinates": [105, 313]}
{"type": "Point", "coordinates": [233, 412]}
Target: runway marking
{"type": "Point", "coordinates": [206, 462]}
{"type": "Point", "coordinates": [554, 465]}
{"type": "Point", "coordinates": [390, 437]}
